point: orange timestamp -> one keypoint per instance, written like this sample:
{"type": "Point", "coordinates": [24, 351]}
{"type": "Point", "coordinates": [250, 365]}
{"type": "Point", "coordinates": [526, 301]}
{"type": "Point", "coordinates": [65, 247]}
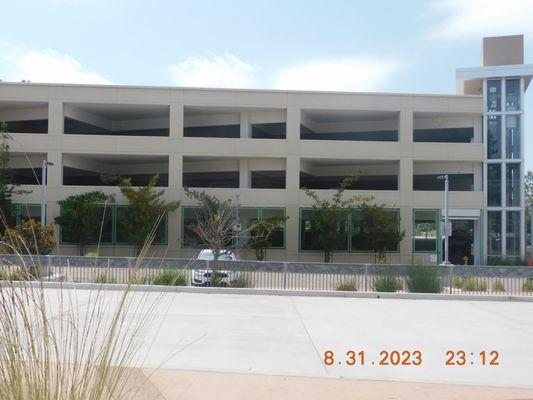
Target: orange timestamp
{"type": "Point", "coordinates": [386, 357]}
{"type": "Point", "coordinates": [412, 358]}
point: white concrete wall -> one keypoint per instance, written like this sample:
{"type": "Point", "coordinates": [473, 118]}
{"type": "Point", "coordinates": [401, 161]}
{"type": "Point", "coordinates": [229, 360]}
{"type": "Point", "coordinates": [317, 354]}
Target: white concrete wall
{"type": "Point", "coordinates": [248, 154]}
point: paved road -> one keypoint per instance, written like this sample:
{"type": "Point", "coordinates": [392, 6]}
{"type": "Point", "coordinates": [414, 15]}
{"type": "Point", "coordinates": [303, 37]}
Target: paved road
{"type": "Point", "coordinates": [283, 335]}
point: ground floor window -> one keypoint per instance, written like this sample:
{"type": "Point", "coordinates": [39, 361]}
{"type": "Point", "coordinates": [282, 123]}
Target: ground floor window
{"type": "Point", "coordinates": [247, 217]}
{"type": "Point", "coordinates": [24, 212]}
{"type": "Point", "coordinates": [351, 230]}
{"type": "Point", "coordinates": [513, 233]}
{"type": "Point", "coordinates": [494, 233]}
{"type": "Point", "coordinates": [426, 229]}
{"type": "Point", "coordinates": [111, 227]}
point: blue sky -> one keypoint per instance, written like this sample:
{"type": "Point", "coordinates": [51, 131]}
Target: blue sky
{"type": "Point", "coordinates": [392, 46]}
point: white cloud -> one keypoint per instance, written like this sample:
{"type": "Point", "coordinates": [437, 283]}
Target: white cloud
{"type": "Point", "coordinates": [223, 71]}
{"type": "Point", "coordinates": [350, 74]}
{"type": "Point", "coordinates": [466, 19]}
{"type": "Point", "coordinates": [46, 66]}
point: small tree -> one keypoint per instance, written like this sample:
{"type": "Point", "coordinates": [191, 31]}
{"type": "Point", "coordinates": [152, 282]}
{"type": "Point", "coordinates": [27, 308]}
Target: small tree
{"type": "Point", "coordinates": [216, 226]}
{"type": "Point", "coordinates": [29, 237]}
{"type": "Point", "coordinates": [145, 211]}
{"type": "Point", "coordinates": [380, 228]}
{"type": "Point", "coordinates": [329, 215]}
{"type": "Point", "coordinates": [261, 235]}
{"type": "Point", "coordinates": [80, 218]}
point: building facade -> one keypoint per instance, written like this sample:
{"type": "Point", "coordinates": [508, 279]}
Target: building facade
{"type": "Point", "coordinates": [265, 146]}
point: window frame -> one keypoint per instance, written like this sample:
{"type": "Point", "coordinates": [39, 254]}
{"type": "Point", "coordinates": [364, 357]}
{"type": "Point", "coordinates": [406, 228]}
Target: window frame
{"type": "Point", "coordinates": [260, 211]}
{"type": "Point", "coordinates": [349, 233]}
{"type": "Point", "coordinates": [113, 208]}
{"type": "Point", "coordinates": [438, 216]}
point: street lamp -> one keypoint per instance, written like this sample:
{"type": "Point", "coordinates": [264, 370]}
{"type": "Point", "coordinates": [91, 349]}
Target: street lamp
{"type": "Point", "coordinates": [446, 230]}
{"type": "Point", "coordinates": [45, 166]}
{"type": "Point", "coordinates": [531, 233]}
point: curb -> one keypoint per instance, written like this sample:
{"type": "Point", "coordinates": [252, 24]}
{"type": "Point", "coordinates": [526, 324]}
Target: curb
{"type": "Point", "coordinates": [272, 292]}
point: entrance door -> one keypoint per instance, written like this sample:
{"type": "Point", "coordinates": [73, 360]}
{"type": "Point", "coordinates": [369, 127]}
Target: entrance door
{"type": "Point", "coordinates": [461, 242]}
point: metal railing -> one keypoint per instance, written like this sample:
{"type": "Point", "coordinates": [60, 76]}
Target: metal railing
{"type": "Point", "coordinates": [302, 276]}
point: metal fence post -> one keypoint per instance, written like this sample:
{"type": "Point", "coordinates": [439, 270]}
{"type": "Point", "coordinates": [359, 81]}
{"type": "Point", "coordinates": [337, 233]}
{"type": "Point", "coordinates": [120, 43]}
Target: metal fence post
{"type": "Point", "coordinates": [284, 274]}
{"type": "Point", "coordinates": [366, 277]}
{"type": "Point", "coordinates": [129, 269]}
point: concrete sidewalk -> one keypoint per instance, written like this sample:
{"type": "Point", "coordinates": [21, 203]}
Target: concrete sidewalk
{"type": "Point", "coordinates": [262, 347]}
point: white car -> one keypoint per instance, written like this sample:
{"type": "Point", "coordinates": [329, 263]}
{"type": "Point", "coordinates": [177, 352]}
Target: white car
{"type": "Point", "coordinates": [202, 277]}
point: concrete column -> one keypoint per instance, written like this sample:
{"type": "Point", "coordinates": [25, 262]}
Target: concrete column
{"type": "Point", "coordinates": [55, 118]}
{"type": "Point", "coordinates": [174, 231]}
{"type": "Point", "coordinates": [478, 130]}
{"type": "Point", "coordinates": [54, 181]}
{"type": "Point", "coordinates": [292, 226]}
{"type": "Point", "coordinates": [175, 171]}
{"type": "Point", "coordinates": [245, 176]}
{"type": "Point", "coordinates": [293, 123]}
{"type": "Point", "coordinates": [176, 121]}
{"type": "Point", "coordinates": [54, 178]}
{"type": "Point", "coordinates": [293, 173]}
{"type": "Point", "coordinates": [478, 177]}
{"type": "Point", "coordinates": [246, 128]}
{"type": "Point", "coordinates": [406, 126]}
{"type": "Point", "coordinates": [406, 175]}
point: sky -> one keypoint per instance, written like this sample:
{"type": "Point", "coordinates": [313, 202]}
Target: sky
{"type": "Point", "coordinates": [408, 46]}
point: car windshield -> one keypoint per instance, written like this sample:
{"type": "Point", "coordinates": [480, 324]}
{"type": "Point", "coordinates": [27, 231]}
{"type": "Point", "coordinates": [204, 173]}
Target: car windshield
{"type": "Point", "coordinates": [225, 257]}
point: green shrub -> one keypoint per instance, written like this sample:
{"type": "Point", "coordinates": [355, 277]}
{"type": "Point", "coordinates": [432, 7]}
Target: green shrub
{"type": "Point", "coordinates": [528, 285]}
{"type": "Point", "coordinates": [141, 280]}
{"type": "Point", "coordinates": [171, 277]}
{"type": "Point", "coordinates": [457, 282]}
{"type": "Point", "coordinates": [243, 281]}
{"type": "Point", "coordinates": [497, 286]}
{"type": "Point", "coordinates": [29, 237]}
{"type": "Point", "coordinates": [348, 286]}
{"type": "Point", "coordinates": [105, 278]}
{"type": "Point", "coordinates": [24, 274]}
{"type": "Point", "coordinates": [423, 280]}
{"type": "Point", "coordinates": [473, 285]}
{"type": "Point", "coordinates": [387, 283]}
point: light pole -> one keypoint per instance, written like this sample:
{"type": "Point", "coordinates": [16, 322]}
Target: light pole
{"type": "Point", "coordinates": [45, 166]}
{"type": "Point", "coordinates": [531, 233]}
{"type": "Point", "coordinates": [446, 230]}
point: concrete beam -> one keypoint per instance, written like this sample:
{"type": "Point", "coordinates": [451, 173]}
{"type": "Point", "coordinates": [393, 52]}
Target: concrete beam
{"type": "Point", "coordinates": [80, 114]}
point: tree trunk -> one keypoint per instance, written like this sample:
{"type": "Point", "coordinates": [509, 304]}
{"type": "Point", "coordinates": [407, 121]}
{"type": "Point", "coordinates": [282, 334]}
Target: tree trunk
{"type": "Point", "coordinates": [81, 249]}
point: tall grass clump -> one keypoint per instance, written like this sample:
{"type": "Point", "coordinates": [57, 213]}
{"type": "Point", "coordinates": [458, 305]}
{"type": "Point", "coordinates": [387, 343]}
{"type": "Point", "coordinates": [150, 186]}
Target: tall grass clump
{"type": "Point", "coordinates": [473, 285]}
{"type": "Point", "coordinates": [498, 287]}
{"type": "Point", "coordinates": [347, 286]}
{"type": "Point", "coordinates": [423, 279]}
{"type": "Point", "coordinates": [65, 344]}
{"type": "Point", "coordinates": [104, 277]}
{"type": "Point", "coordinates": [171, 277]}
{"type": "Point", "coordinates": [387, 283]}
{"type": "Point", "coordinates": [527, 286]}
